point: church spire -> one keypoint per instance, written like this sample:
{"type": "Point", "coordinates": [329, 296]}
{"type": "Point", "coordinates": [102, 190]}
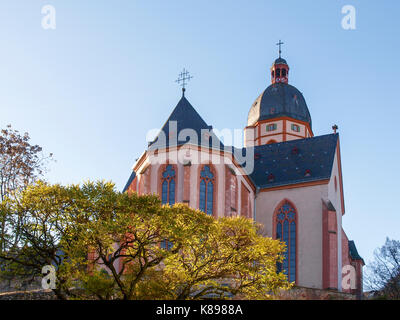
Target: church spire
{"type": "Point", "coordinates": [280, 68]}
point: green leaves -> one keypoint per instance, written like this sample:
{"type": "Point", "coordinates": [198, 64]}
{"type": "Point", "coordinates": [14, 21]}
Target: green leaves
{"type": "Point", "coordinates": [230, 259]}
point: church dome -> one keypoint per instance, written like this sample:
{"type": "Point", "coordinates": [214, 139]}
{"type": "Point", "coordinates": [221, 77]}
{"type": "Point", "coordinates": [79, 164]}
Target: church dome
{"type": "Point", "coordinates": [279, 100]}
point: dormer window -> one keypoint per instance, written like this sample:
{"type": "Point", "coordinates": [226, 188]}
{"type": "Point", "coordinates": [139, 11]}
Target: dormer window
{"type": "Point", "coordinates": [271, 178]}
{"type": "Point", "coordinates": [271, 127]}
{"type": "Point", "coordinates": [307, 173]}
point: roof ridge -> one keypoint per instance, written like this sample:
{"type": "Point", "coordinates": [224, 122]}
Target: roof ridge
{"type": "Point", "coordinates": [296, 140]}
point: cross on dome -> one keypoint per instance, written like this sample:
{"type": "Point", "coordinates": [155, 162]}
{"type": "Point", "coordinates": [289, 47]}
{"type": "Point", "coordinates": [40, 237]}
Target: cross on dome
{"type": "Point", "coordinates": [280, 43]}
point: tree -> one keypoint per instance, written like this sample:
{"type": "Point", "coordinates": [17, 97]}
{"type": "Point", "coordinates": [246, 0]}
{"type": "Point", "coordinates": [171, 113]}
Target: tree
{"type": "Point", "coordinates": [107, 245]}
{"type": "Point", "coordinates": [383, 274]}
{"type": "Point", "coordinates": [206, 257]}
{"type": "Point", "coordinates": [226, 257]}
{"type": "Point", "coordinates": [46, 225]}
{"type": "Point", "coordinates": [123, 233]}
{"type": "Point", "coordinates": [20, 164]}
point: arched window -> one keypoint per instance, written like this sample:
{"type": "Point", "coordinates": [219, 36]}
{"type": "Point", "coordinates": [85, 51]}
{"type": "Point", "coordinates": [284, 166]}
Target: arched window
{"type": "Point", "coordinates": [166, 245]}
{"type": "Point", "coordinates": [168, 185]}
{"type": "Point", "coordinates": [207, 180]}
{"type": "Point", "coordinates": [286, 218]}
{"type": "Point", "coordinates": [278, 72]}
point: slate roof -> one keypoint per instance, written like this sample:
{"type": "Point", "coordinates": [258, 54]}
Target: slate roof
{"type": "Point", "coordinates": [280, 61]}
{"type": "Point", "coordinates": [186, 117]}
{"type": "Point", "coordinates": [292, 162]}
{"type": "Point", "coordinates": [278, 164]}
{"type": "Point", "coordinates": [279, 100]}
{"type": "Point", "coordinates": [131, 177]}
{"type": "Point", "coordinates": [353, 251]}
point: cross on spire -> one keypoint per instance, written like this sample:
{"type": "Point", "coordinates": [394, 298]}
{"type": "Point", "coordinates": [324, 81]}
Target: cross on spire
{"type": "Point", "coordinates": [280, 43]}
{"type": "Point", "coordinates": [183, 78]}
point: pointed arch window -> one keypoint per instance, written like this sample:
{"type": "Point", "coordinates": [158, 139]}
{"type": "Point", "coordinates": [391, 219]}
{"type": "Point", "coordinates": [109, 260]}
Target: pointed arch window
{"type": "Point", "coordinates": [168, 185]}
{"type": "Point", "coordinates": [207, 181]}
{"type": "Point", "coordinates": [166, 245]}
{"type": "Point", "coordinates": [286, 220]}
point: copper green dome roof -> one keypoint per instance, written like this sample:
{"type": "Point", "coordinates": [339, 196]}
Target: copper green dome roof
{"type": "Point", "coordinates": [279, 100]}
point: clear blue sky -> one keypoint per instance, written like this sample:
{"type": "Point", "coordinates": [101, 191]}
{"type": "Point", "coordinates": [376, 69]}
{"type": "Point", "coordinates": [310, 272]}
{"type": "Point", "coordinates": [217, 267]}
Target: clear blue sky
{"type": "Point", "coordinates": [91, 89]}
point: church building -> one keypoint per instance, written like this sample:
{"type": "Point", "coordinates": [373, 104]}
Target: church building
{"type": "Point", "coordinates": [291, 181]}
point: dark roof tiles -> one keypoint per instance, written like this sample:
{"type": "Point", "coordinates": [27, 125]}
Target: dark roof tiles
{"type": "Point", "coordinates": [131, 178]}
{"type": "Point", "coordinates": [353, 251]}
{"type": "Point", "coordinates": [311, 161]}
{"type": "Point", "coordinates": [184, 116]}
{"type": "Point", "coordinates": [279, 100]}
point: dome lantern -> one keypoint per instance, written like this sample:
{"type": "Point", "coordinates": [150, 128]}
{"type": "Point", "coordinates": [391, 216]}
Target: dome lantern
{"type": "Point", "coordinates": [280, 71]}
{"type": "Point", "coordinates": [280, 68]}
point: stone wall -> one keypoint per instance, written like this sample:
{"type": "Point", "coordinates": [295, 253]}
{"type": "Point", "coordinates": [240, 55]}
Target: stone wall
{"type": "Point", "coordinates": [300, 293]}
{"type": "Point", "coordinates": [12, 284]}
{"type": "Point", "coordinates": [28, 295]}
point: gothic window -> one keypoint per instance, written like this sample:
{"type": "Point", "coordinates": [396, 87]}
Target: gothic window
{"type": "Point", "coordinates": [286, 232]}
{"type": "Point", "coordinates": [207, 180]}
{"type": "Point", "coordinates": [166, 245]}
{"type": "Point", "coordinates": [168, 185]}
